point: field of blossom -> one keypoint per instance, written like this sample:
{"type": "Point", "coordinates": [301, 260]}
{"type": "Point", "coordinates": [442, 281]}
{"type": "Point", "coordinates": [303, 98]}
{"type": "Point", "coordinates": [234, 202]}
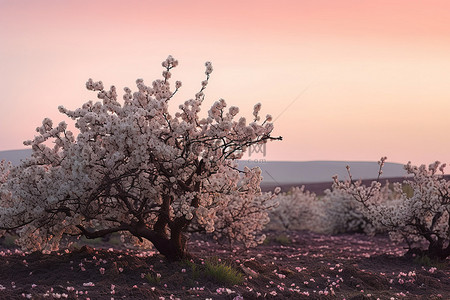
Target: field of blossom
{"type": "Point", "coordinates": [289, 264]}
{"type": "Point", "coordinates": [143, 204]}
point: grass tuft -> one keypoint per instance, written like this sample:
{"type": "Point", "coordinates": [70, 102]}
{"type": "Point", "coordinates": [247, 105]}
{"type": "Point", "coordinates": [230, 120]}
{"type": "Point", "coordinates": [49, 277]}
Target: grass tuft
{"type": "Point", "coordinates": [425, 260]}
{"type": "Point", "coordinates": [153, 278]}
{"type": "Point", "coordinates": [195, 271]}
{"type": "Point", "coordinates": [222, 273]}
{"type": "Point", "coordinates": [282, 239]}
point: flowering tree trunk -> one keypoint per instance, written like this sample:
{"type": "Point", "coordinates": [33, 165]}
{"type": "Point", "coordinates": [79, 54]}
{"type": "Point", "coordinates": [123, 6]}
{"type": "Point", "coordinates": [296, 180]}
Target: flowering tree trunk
{"type": "Point", "coordinates": [173, 247]}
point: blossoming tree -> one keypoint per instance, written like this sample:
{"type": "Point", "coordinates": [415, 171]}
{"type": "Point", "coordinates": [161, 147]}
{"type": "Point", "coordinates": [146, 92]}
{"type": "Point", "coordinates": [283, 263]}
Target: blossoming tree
{"type": "Point", "coordinates": [336, 211]}
{"type": "Point", "coordinates": [297, 209]}
{"type": "Point", "coordinates": [134, 167]}
{"type": "Point", "coordinates": [422, 217]}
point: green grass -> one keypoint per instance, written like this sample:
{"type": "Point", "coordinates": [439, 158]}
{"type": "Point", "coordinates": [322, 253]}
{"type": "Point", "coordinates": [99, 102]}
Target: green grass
{"type": "Point", "coordinates": [279, 239]}
{"type": "Point", "coordinates": [222, 273]}
{"type": "Point", "coordinates": [425, 260]}
{"type": "Point", "coordinates": [195, 270]}
{"type": "Point", "coordinates": [9, 240]}
{"type": "Point", "coordinates": [408, 190]}
{"type": "Point", "coordinates": [153, 278]}
{"type": "Point", "coordinates": [113, 240]}
{"type": "Point", "coordinates": [213, 270]}
{"type": "Point", "coordinates": [283, 240]}
{"type": "Point", "coordinates": [94, 242]}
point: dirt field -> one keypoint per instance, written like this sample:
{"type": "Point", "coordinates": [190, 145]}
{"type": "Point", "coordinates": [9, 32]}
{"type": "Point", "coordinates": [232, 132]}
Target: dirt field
{"type": "Point", "coordinates": [295, 265]}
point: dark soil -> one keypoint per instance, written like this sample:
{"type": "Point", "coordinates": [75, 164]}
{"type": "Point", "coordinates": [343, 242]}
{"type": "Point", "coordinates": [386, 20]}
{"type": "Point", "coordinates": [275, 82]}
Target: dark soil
{"type": "Point", "coordinates": [295, 265]}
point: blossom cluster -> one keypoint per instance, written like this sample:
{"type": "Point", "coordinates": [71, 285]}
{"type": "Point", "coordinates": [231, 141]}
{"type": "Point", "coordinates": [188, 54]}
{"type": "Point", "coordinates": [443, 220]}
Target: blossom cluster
{"type": "Point", "coordinates": [244, 212]}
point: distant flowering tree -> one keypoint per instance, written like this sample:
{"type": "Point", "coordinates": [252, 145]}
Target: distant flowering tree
{"type": "Point", "coordinates": [297, 209]}
{"type": "Point", "coordinates": [345, 215]}
{"type": "Point", "coordinates": [133, 167]}
{"type": "Point", "coordinates": [334, 212]}
{"type": "Point", "coordinates": [422, 217]}
{"type": "Point", "coordinates": [342, 214]}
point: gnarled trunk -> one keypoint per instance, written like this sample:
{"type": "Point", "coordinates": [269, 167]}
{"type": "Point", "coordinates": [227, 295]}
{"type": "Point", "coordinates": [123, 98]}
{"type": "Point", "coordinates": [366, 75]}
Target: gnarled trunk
{"type": "Point", "coordinates": [173, 248]}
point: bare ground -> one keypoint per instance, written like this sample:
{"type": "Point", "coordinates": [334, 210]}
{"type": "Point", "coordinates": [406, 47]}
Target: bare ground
{"type": "Point", "coordinates": [294, 265]}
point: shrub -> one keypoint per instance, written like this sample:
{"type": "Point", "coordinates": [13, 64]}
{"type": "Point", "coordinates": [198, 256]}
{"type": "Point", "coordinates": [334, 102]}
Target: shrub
{"type": "Point", "coordinates": [296, 209]}
{"type": "Point", "coordinates": [422, 217]}
{"type": "Point", "coordinates": [135, 168]}
{"type": "Point", "coordinates": [345, 215]}
{"type": "Point", "coordinates": [334, 212]}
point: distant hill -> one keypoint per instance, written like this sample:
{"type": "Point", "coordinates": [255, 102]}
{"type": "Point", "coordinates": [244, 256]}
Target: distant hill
{"type": "Point", "coordinates": [15, 156]}
{"type": "Point", "coordinates": [287, 172]}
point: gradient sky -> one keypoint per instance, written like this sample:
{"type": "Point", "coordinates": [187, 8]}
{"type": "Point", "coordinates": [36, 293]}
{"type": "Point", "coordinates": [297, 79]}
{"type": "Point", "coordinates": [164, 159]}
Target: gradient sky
{"type": "Point", "coordinates": [345, 80]}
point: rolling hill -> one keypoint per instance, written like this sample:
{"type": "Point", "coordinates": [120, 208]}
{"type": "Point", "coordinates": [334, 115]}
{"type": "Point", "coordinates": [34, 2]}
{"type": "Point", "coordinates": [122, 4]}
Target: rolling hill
{"type": "Point", "coordinates": [287, 172]}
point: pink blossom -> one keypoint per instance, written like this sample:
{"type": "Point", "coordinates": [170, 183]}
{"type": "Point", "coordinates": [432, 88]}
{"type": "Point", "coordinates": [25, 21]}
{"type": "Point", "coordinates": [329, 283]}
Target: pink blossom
{"type": "Point", "coordinates": [88, 284]}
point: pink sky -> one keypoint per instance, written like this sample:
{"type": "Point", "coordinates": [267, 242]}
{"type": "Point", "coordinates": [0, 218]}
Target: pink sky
{"type": "Point", "coordinates": [373, 76]}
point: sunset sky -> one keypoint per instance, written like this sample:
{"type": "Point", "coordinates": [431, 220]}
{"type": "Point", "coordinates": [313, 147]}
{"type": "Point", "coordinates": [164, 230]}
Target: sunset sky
{"type": "Point", "coordinates": [344, 80]}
